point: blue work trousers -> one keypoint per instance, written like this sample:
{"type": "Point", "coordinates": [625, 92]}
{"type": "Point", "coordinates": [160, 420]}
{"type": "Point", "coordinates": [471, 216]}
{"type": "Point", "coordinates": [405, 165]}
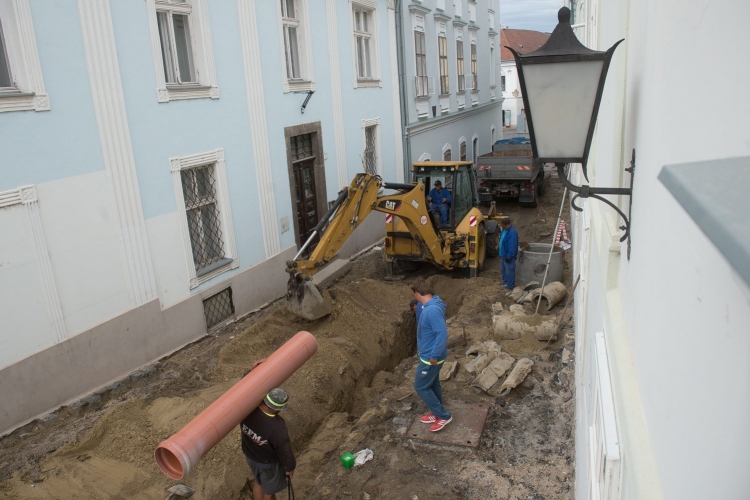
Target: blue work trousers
{"type": "Point", "coordinates": [427, 385]}
{"type": "Point", "coordinates": [443, 211]}
{"type": "Point", "coordinates": [508, 270]}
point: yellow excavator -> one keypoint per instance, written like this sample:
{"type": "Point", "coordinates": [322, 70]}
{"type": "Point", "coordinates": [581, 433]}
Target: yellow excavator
{"type": "Point", "coordinates": [414, 232]}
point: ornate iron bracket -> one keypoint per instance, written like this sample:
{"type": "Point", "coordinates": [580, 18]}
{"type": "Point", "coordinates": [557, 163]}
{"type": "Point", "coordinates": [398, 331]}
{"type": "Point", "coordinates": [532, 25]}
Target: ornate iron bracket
{"type": "Point", "coordinates": [307, 99]}
{"type": "Point", "coordinates": [587, 191]}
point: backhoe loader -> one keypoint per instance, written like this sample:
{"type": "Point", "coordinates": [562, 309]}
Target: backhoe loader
{"type": "Point", "coordinates": [414, 233]}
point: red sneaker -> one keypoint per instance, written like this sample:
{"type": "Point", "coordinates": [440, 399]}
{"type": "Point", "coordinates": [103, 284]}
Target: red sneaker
{"type": "Point", "coordinates": [439, 424]}
{"type": "Point", "coordinates": [427, 419]}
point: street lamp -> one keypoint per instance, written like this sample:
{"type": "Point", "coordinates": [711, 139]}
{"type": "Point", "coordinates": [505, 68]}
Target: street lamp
{"type": "Point", "coordinates": [562, 85]}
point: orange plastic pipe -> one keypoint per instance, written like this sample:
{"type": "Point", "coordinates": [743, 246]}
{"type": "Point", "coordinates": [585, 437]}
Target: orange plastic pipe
{"type": "Point", "coordinates": [177, 455]}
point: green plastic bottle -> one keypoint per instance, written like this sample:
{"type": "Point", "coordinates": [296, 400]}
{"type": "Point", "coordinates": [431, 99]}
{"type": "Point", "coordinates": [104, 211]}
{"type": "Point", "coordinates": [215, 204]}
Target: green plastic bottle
{"type": "Point", "coordinates": [347, 460]}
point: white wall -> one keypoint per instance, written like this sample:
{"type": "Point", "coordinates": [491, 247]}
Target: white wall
{"type": "Point", "coordinates": [676, 315]}
{"type": "Point", "coordinates": [510, 102]}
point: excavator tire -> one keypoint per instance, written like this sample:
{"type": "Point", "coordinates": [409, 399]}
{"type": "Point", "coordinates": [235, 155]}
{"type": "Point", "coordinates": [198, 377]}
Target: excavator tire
{"type": "Point", "coordinates": [493, 243]}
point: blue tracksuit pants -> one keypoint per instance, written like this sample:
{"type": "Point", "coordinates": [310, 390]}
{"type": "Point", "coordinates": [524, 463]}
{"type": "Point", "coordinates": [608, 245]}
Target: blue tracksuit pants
{"type": "Point", "coordinates": [427, 385]}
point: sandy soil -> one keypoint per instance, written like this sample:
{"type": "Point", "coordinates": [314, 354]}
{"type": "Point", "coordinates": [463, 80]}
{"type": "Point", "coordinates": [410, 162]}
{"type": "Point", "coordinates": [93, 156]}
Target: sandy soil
{"type": "Point", "coordinates": [344, 399]}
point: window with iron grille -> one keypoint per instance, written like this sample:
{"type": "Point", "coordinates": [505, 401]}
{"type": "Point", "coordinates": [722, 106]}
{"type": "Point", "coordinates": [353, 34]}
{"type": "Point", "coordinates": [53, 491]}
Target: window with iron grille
{"type": "Point", "coordinates": [502, 83]}
{"type": "Point", "coordinates": [421, 61]}
{"type": "Point", "coordinates": [363, 23]}
{"type": "Point", "coordinates": [462, 150]}
{"type": "Point", "coordinates": [301, 146]}
{"type": "Point", "coordinates": [173, 20]}
{"type": "Point", "coordinates": [218, 308]}
{"type": "Point", "coordinates": [203, 217]}
{"type": "Point", "coordinates": [371, 150]}
{"type": "Point", "coordinates": [202, 194]}
{"type": "Point", "coordinates": [474, 65]}
{"type": "Point", "coordinates": [443, 60]}
{"type": "Point", "coordinates": [460, 65]}
{"type": "Point", "coordinates": [447, 155]}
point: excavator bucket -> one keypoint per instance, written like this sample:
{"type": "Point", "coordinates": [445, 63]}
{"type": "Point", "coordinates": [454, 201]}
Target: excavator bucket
{"type": "Point", "coordinates": [307, 302]}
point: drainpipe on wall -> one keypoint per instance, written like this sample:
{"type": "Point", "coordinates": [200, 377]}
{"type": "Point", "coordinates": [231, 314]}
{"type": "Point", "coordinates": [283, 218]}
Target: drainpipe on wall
{"type": "Point", "coordinates": [402, 89]}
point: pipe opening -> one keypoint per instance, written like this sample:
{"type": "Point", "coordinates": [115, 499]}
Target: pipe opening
{"type": "Point", "coordinates": [168, 463]}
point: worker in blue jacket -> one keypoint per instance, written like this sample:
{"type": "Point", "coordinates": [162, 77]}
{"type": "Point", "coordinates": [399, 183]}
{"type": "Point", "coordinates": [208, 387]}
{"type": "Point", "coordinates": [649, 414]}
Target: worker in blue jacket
{"type": "Point", "coordinates": [440, 199]}
{"type": "Point", "coordinates": [508, 253]}
{"type": "Point", "coordinates": [432, 349]}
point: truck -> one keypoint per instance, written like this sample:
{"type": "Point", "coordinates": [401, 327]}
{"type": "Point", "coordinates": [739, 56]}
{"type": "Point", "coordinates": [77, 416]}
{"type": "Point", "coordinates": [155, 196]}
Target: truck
{"type": "Point", "coordinates": [510, 171]}
{"type": "Point", "coordinates": [414, 232]}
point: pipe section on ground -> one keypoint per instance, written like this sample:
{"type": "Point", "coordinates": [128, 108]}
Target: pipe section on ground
{"type": "Point", "coordinates": [177, 455]}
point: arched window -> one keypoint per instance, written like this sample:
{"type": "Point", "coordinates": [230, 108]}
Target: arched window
{"type": "Point", "coordinates": [474, 148]}
{"type": "Point", "coordinates": [462, 149]}
{"type": "Point", "coordinates": [447, 155]}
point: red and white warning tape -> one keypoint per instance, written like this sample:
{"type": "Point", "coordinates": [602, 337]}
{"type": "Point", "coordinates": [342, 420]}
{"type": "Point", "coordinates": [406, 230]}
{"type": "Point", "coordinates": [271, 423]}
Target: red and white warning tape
{"type": "Point", "coordinates": [561, 233]}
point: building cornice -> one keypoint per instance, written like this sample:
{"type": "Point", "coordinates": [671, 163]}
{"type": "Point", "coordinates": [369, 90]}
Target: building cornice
{"type": "Point", "coordinates": [419, 8]}
{"type": "Point", "coordinates": [420, 128]}
{"type": "Point", "coordinates": [440, 16]}
{"type": "Point", "coordinates": [459, 23]}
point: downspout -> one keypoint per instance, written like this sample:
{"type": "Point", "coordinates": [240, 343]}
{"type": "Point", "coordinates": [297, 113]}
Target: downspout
{"type": "Point", "coordinates": [402, 89]}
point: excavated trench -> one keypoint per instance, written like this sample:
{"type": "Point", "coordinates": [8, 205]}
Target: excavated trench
{"type": "Point", "coordinates": [368, 334]}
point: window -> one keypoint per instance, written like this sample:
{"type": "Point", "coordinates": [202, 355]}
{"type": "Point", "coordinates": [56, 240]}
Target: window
{"type": "Point", "coordinates": [502, 83]}
{"type": "Point", "coordinates": [173, 18]}
{"type": "Point", "coordinates": [462, 149]}
{"type": "Point", "coordinates": [422, 83]}
{"type": "Point", "coordinates": [295, 44]}
{"type": "Point", "coordinates": [447, 155]}
{"type": "Point", "coordinates": [371, 156]}
{"type": "Point", "coordinates": [460, 65]}
{"type": "Point", "coordinates": [181, 43]}
{"type": "Point", "coordinates": [365, 43]}
{"type": "Point", "coordinates": [291, 27]}
{"type": "Point", "coordinates": [474, 149]}
{"type": "Point", "coordinates": [492, 62]}
{"type": "Point", "coordinates": [204, 224]}
{"type": "Point", "coordinates": [443, 60]}
{"type": "Point", "coordinates": [474, 79]}
{"type": "Point", "coordinates": [462, 194]}
{"type": "Point", "coordinates": [6, 79]}
{"type": "Point", "coordinates": [21, 82]}
{"type": "Point", "coordinates": [472, 11]}
{"type": "Point", "coordinates": [492, 135]}
{"type": "Point", "coordinates": [208, 236]}
{"type": "Point", "coordinates": [218, 308]}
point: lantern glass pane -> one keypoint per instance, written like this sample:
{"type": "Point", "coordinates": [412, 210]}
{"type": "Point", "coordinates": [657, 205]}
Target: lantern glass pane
{"type": "Point", "coordinates": [561, 97]}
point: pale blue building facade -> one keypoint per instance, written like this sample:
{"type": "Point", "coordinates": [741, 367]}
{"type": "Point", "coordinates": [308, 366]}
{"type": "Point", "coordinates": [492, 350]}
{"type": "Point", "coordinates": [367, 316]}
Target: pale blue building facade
{"type": "Point", "coordinates": [161, 162]}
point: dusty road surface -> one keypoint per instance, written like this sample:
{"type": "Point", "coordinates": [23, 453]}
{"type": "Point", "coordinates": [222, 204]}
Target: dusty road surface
{"type": "Point", "coordinates": [355, 393]}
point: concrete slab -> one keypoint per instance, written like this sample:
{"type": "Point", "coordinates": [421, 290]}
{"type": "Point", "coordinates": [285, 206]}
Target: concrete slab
{"type": "Point", "coordinates": [465, 429]}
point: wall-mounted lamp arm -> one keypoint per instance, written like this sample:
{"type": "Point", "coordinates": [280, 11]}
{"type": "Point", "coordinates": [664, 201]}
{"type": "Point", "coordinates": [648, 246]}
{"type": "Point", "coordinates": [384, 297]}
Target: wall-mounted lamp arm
{"type": "Point", "coordinates": [587, 191]}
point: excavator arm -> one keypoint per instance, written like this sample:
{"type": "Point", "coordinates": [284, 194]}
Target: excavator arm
{"type": "Point", "coordinates": [350, 209]}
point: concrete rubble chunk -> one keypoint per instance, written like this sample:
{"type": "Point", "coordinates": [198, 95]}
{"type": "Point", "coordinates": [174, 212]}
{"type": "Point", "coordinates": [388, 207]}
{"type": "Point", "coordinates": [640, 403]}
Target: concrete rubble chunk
{"type": "Point", "coordinates": [517, 375]}
{"type": "Point", "coordinates": [553, 293]}
{"type": "Point", "coordinates": [501, 364]}
{"type": "Point", "coordinates": [492, 372]}
{"type": "Point", "coordinates": [565, 356]}
{"type": "Point", "coordinates": [516, 293]}
{"type": "Point", "coordinates": [497, 308]}
{"type": "Point", "coordinates": [449, 369]}
{"type": "Point", "coordinates": [486, 351]}
{"type": "Point", "coordinates": [515, 323]}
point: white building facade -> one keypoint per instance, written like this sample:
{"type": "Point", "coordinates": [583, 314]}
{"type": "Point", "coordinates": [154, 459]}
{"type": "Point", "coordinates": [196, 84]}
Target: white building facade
{"type": "Point", "coordinates": [662, 335]}
{"type": "Point", "coordinates": [161, 161]}
{"type": "Point", "coordinates": [522, 41]}
{"type": "Point", "coordinates": [450, 97]}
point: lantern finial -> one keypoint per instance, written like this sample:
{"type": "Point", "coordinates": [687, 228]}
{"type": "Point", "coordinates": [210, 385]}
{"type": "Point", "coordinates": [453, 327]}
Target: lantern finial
{"type": "Point", "coordinates": [563, 15]}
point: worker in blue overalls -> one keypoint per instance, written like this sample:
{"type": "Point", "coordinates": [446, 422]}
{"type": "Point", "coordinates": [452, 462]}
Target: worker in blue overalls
{"type": "Point", "coordinates": [440, 199]}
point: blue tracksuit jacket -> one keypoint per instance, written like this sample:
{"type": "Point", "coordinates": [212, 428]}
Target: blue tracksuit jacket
{"type": "Point", "coordinates": [432, 333]}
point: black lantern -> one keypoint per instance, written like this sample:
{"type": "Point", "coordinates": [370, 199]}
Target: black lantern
{"type": "Point", "coordinates": [562, 85]}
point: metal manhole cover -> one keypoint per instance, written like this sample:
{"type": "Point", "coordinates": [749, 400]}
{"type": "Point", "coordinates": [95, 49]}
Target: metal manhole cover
{"type": "Point", "coordinates": [465, 429]}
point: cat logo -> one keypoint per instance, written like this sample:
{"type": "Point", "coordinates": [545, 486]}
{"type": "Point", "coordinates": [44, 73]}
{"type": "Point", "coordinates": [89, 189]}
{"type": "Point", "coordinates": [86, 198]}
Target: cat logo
{"type": "Point", "coordinates": [391, 205]}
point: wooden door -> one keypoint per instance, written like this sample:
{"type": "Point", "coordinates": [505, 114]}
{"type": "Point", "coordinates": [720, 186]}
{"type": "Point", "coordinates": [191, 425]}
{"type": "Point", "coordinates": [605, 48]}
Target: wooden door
{"type": "Point", "coordinates": [307, 209]}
